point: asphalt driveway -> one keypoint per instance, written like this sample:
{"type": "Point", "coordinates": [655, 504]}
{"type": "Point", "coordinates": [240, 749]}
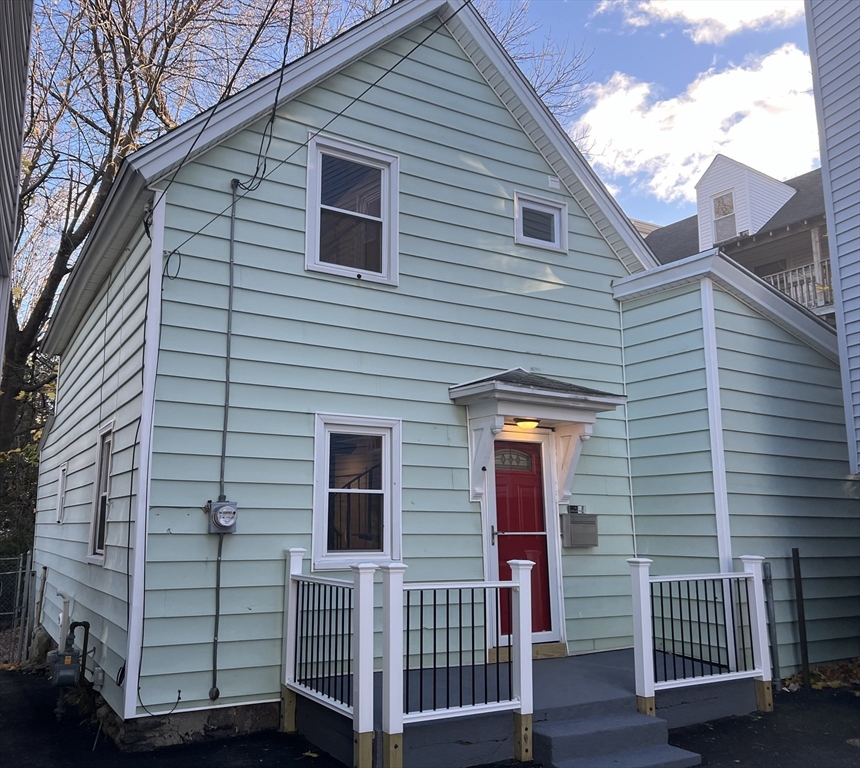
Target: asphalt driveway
{"type": "Point", "coordinates": [808, 729]}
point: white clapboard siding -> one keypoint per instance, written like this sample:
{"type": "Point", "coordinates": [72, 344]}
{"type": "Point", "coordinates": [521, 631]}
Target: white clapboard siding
{"type": "Point", "coordinates": [786, 471]}
{"type": "Point", "coordinates": [469, 302]}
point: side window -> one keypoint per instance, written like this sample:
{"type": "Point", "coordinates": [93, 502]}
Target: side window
{"type": "Point", "coordinates": [352, 211]}
{"type": "Point", "coordinates": [98, 528]}
{"type": "Point", "coordinates": [725, 226]}
{"type": "Point", "coordinates": [357, 469]}
{"type": "Point", "coordinates": [61, 491]}
{"type": "Point", "coordinates": [540, 222]}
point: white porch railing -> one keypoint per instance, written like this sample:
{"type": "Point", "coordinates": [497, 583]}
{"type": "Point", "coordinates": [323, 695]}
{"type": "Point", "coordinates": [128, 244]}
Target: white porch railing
{"type": "Point", "coordinates": [804, 285]}
{"type": "Point", "coordinates": [449, 649]}
{"type": "Point", "coordinates": [696, 629]}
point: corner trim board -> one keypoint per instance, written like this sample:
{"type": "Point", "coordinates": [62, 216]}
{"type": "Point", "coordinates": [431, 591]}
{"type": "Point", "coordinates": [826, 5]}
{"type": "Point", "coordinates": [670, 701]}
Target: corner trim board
{"type": "Point", "coordinates": [147, 423]}
{"type": "Point", "coordinates": [715, 424]}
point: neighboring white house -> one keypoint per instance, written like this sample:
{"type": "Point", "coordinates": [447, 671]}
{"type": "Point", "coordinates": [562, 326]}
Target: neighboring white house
{"type": "Point", "coordinates": [834, 31]}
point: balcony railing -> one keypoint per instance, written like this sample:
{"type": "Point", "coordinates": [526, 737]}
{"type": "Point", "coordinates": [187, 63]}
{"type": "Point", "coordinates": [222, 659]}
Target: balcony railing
{"type": "Point", "coordinates": [802, 285]}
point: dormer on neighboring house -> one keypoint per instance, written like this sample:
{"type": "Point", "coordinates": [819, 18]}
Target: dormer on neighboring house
{"type": "Point", "coordinates": [734, 200]}
{"type": "Point", "coordinates": [775, 229]}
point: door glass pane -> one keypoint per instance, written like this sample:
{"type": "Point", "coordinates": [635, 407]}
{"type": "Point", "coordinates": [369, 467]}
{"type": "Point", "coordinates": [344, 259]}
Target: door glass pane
{"type": "Point", "coordinates": [511, 458]}
{"type": "Point", "coordinates": [350, 241]}
{"type": "Point", "coordinates": [351, 186]}
{"type": "Point", "coordinates": [538, 225]}
{"type": "Point", "coordinates": [354, 521]}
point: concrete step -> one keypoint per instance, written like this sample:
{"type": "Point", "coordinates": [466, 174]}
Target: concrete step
{"type": "Point", "coordinates": [614, 705]}
{"type": "Point", "coordinates": [595, 736]}
{"type": "Point", "coordinates": [662, 756]}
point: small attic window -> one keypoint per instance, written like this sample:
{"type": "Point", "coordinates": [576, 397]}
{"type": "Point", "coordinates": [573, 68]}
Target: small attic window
{"type": "Point", "coordinates": [540, 222]}
{"type": "Point", "coordinates": [725, 226]}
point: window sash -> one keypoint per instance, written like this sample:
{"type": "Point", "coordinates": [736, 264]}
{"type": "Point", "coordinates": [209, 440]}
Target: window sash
{"type": "Point", "coordinates": [556, 208]}
{"type": "Point", "coordinates": [383, 504]}
{"type": "Point", "coordinates": [98, 533]}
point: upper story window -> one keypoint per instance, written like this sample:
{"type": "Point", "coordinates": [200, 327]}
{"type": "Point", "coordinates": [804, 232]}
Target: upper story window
{"type": "Point", "coordinates": [540, 222]}
{"type": "Point", "coordinates": [725, 227]}
{"type": "Point", "coordinates": [352, 211]}
{"type": "Point", "coordinates": [101, 502]}
{"type": "Point", "coordinates": [356, 491]}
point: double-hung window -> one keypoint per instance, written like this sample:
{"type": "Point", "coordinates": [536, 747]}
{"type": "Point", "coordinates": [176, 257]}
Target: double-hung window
{"type": "Point", "coordinates": [725, 226]}
{"type": "Point", "coordinates": [540, 222]}
{"type": "Point", "coordinates": [352, 211]}
{"type": "Point", "coordinates": [356, 491]}
{"type": "Point", "coordinates": [98, 529]}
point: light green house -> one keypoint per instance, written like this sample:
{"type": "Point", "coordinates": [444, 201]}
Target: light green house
{"type": "Point", "coordinates": [341, 347]}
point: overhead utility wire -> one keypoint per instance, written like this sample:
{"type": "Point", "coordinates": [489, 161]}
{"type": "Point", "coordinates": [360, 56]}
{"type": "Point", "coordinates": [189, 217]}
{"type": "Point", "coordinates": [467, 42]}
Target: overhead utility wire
{"type": "Point", "coordinates": [227, 89]}
{"type": "Point", "coordinates": [321, 129]}
{"type": "Point", "coordinates": [269, 131]}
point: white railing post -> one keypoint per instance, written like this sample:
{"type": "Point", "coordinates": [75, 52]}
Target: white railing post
{"type": "Point", "coordinates": [293, 559]}
{"type": "Point", "coordinates": [392, 665]}
{"type": "Point", "coordinates": [758, 628]}
{"type": "Point", "coordinates": [362, 665]}
{"type": "Point", "coordinates": [643, 639]}
{"type": "Point", "coordinates": [521, 630]}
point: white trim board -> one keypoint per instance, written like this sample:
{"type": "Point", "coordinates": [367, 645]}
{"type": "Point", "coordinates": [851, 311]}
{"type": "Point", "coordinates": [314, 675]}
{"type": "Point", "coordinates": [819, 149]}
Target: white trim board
{"type": "Point", "coordinates": [740, 283]}
{"type": "Point", "coordinates": [144, 462]}
{"type": "Point", "coordinates": [715, 424]}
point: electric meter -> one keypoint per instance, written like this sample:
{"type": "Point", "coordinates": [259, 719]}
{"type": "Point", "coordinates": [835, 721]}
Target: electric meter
{"type": "Point", "coordinates": [222, 517]}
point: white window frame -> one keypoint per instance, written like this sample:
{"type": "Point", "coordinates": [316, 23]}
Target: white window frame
{"type": "Point", "coordinates": [714, 218]}
{"type": "Point", "coordinates": [390, 430]}
{"type": "Point", "coordinates": [545, 205]}
{"type": "Point", "coordinates": [96, 556]}
{"type": "Point", "coordinates": [62, 474]}
{"type": "Point", "coordinates": [389, 206]}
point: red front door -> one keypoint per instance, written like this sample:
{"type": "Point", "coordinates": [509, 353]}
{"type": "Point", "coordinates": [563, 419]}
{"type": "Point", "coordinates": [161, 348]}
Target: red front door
{"type": "Point", "coordinates": [521, 525]}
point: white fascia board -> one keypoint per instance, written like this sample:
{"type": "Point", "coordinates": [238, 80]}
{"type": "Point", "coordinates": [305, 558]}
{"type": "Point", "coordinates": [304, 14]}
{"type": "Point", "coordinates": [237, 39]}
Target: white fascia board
{"type": "Point", "coordinates": [549, 126]}
{"type": "Point", "coordinates": [743, 285]}
{"type": "Point", "coordinates": [470, 393]}
{"type": "Point", "coordinates": [120, 215]}
{"type": "Point", "coordinates": [166, 153]}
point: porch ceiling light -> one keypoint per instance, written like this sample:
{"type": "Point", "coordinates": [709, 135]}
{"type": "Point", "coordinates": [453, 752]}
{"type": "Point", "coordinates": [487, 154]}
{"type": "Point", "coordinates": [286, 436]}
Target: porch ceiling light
{"type": "Point", "coordinates": [527, 423]}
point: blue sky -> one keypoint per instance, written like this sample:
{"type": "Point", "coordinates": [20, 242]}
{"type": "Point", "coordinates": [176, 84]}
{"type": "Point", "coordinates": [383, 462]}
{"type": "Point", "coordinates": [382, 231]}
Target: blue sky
{"type": "Point", "coordinates": [673, 82]}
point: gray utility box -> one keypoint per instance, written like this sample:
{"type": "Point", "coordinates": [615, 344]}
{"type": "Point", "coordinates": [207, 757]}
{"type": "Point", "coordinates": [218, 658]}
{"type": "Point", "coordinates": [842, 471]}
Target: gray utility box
{"type": "Point", "coordinates": [578, 530]}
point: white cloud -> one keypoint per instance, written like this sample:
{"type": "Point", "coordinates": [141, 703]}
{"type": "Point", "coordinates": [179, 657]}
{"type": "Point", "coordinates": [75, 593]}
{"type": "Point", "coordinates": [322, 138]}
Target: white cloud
{"type": "Point", "coordinates": [708, 21]}
{"type": "Point", "coordinates": [761, 113]}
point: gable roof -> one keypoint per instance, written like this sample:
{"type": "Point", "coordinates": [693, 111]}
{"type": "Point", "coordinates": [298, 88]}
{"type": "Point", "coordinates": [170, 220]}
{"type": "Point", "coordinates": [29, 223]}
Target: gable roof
{"type": "Point", "coordinates": [740, 283]}
{"type": "Point", "coordinates": [133, 187]}
{"type": "Point", "coordinates": [681, 239]}
{"type": "Point", "coordinates": [523, 379]}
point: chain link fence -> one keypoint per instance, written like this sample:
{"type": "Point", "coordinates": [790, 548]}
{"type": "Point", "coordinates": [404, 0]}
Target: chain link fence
{"type": "Point", "coordinates": [16, 608]}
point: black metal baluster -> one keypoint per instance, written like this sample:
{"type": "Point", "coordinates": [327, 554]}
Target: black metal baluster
{"type": "Point", "coordinates": [708, 625]}
{"type": "Point", "coordinates": [447, 649]}
{"type": "Point", "coordinates": [435, 632]}
{"type": "Point", "coordinates": [672, 630]}
{"type": "Point", "coordinates": [740, 625]}
{"type": "Point", "coordinates": [472, 622]}
{"type": "Point", "coordinates": [349, 666]}
{"type": "Point", "coordinates": [653, 626]}
{"type": "Point", "coordinates": [733, 606]}
{"type": "Point", "coordinates": [497, 593]}
{"type": "Point", "coordinates": [510, 593]}
{"type": "Point", "coordinates": [421, 654]}
{"type": "Point", "coordinates": [699, 629]}
{"type": "Point", "coordinates": [300, 631]}
{"type": "Point", "coordinates": [681, 628]}
{"type": "Point", "coordinates": [408, 644]}
{"type": "Point", "coordinates": [725, 622]}
{"type": "Point", "coordinates": [460, 641]}
{"type": "Point", "coordinates": [749, 624]}
{"type": "Point", "coordinates": [663, 631]}
{"type": "Point", "coordinates": [486, 635]}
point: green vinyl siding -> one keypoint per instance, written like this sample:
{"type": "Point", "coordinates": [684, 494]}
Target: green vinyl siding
{"type": "Point", "coordinates": [787, 477]}
{"type": "Point", "coordinates": [100, 381]}
{"type": "Point", "coordinates": [469, 302]}
{"type": "Point", "coordinates": [670, 442]}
